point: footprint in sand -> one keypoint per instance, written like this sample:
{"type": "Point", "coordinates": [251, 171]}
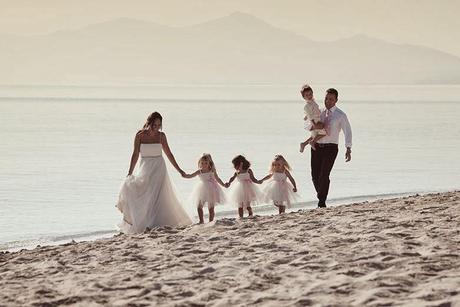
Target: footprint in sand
{"type": "Point", "coordinates": [304, 302]}
{"type": "Point", "coordinates": [225, 222]}
{"type": "Point", "coordinates": [282, 261]}
{"type": "Point", "coordinates": [354, 273]}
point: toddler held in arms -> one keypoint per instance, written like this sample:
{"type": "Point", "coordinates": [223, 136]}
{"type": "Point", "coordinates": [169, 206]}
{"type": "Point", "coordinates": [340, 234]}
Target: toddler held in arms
{"type": "Point", "coordinates": [312, 118]}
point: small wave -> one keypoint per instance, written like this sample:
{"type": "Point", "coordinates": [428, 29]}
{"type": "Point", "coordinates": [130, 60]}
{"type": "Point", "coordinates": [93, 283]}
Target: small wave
{"type": "Point", "coordinates": [55, 240]}
{"type": "Point", "coordinates": [83, 235]}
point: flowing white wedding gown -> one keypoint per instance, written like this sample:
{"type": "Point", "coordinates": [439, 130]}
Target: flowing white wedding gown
{"type": "Point", "coordinates": [148, 199]}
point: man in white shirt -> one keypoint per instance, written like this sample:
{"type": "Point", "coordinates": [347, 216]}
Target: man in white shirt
{"type": "Point", "coordinates": [323, 158]}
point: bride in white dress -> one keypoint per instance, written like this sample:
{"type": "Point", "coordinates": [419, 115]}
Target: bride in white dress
{"type": "Point", "coordinates": [148, 199]}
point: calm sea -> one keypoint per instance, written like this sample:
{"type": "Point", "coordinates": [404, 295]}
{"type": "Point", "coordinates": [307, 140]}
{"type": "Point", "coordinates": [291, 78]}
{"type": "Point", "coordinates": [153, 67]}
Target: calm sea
{"type": "Point", "coordinates": [64, 151]}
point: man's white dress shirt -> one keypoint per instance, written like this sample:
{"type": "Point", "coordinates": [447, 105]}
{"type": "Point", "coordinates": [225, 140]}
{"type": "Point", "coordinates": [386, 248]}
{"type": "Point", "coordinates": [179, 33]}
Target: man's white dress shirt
{"type": "Point", "coordinates": [335, 120]}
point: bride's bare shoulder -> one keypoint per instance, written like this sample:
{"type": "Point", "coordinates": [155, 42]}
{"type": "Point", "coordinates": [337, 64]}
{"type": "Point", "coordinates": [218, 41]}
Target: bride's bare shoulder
{"type": "Point", "coordinates": [140, 134]}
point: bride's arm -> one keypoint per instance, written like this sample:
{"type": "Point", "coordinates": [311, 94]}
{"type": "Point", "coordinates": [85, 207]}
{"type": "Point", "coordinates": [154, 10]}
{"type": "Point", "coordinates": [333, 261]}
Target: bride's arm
{"type": "Point", "coordinates": [169, 154]}
{"type": "Point", "coordinates": [135, 155]}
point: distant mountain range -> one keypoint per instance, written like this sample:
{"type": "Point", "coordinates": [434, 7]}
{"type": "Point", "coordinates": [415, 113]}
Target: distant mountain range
{"type": "Point", "coordinates": [235, 49]}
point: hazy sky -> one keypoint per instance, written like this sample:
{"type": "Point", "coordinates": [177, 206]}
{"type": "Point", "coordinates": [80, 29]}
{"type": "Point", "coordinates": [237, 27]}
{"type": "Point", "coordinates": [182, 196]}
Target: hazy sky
{"type": "Point", "coordinates": [432, 23]}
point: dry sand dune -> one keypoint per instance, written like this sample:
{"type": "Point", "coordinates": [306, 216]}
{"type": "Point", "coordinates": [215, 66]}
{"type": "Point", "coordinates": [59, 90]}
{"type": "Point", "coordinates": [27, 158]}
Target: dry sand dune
{"type": "Point", "coordinates": [391, 252]}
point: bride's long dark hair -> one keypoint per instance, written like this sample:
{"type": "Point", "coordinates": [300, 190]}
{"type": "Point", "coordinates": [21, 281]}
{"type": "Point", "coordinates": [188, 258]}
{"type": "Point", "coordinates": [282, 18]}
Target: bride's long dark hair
{"type": "Point", "coordinates": [151, 119]}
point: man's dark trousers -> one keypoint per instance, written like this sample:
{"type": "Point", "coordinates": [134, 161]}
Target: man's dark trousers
{"type": "Point", "coordinates": [322, 161]}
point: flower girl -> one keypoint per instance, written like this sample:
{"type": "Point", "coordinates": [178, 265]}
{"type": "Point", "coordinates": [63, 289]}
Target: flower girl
{"type": "Point", "coordinates": [244, 192]}
{"type": "Point", "coordinates": [207, 191]}
{"type": "Point", "coordinates": [278, 190]}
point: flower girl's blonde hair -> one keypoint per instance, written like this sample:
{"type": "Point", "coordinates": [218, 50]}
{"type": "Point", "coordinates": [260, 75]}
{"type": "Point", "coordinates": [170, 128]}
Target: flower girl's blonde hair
{"type": "Point", "coordinates": [279, 158]}
{"type": "Point", "coordinates": [207, 157]}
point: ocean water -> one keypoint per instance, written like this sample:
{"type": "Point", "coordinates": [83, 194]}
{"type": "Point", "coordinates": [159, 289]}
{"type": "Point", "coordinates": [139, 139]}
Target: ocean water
{"type": "Point", "coordinates": [64, 151]}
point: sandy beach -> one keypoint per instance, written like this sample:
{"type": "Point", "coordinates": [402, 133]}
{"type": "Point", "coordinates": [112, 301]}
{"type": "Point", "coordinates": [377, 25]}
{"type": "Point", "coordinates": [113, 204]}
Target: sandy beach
{"type": "Point", "coordinates": [401, 251]}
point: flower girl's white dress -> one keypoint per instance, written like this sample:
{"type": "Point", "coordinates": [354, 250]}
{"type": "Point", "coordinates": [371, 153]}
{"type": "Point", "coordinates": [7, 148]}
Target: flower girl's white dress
{"type": "Point", "coordinates": [207, 191]}
{"type": "Point", "coordinates": [244, 192]}
{"type": "Point", "coordinates": [148, 199]}
{"type": "Point", "coordinates": [279, 191]}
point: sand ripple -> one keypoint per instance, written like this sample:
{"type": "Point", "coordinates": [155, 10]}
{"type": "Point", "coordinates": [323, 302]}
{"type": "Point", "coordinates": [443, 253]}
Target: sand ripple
{"type": "Point", "coordinates": [393, 252]}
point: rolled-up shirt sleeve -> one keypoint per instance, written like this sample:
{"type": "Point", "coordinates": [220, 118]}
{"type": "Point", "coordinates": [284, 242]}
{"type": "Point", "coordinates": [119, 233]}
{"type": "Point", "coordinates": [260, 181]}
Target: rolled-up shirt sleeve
{"type": "Point", "coordinates": [346, 127]}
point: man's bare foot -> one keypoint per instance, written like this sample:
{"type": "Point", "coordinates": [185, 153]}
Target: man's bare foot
{"type": "Point", "coordinates": [302, 146]}
{"type": "Point", "coordinates": [313, 145]}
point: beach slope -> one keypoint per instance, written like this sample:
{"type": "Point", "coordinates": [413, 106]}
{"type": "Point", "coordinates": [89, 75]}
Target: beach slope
{"type": "Point", "coordinates": [401, 251]}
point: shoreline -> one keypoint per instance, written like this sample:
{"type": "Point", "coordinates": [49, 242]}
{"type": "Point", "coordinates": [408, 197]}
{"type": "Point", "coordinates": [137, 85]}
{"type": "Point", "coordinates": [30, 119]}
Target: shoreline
{"type": "Point", "coordinates": [387, 252]}
{"type": "Point", "coordinates": [262, 210]}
